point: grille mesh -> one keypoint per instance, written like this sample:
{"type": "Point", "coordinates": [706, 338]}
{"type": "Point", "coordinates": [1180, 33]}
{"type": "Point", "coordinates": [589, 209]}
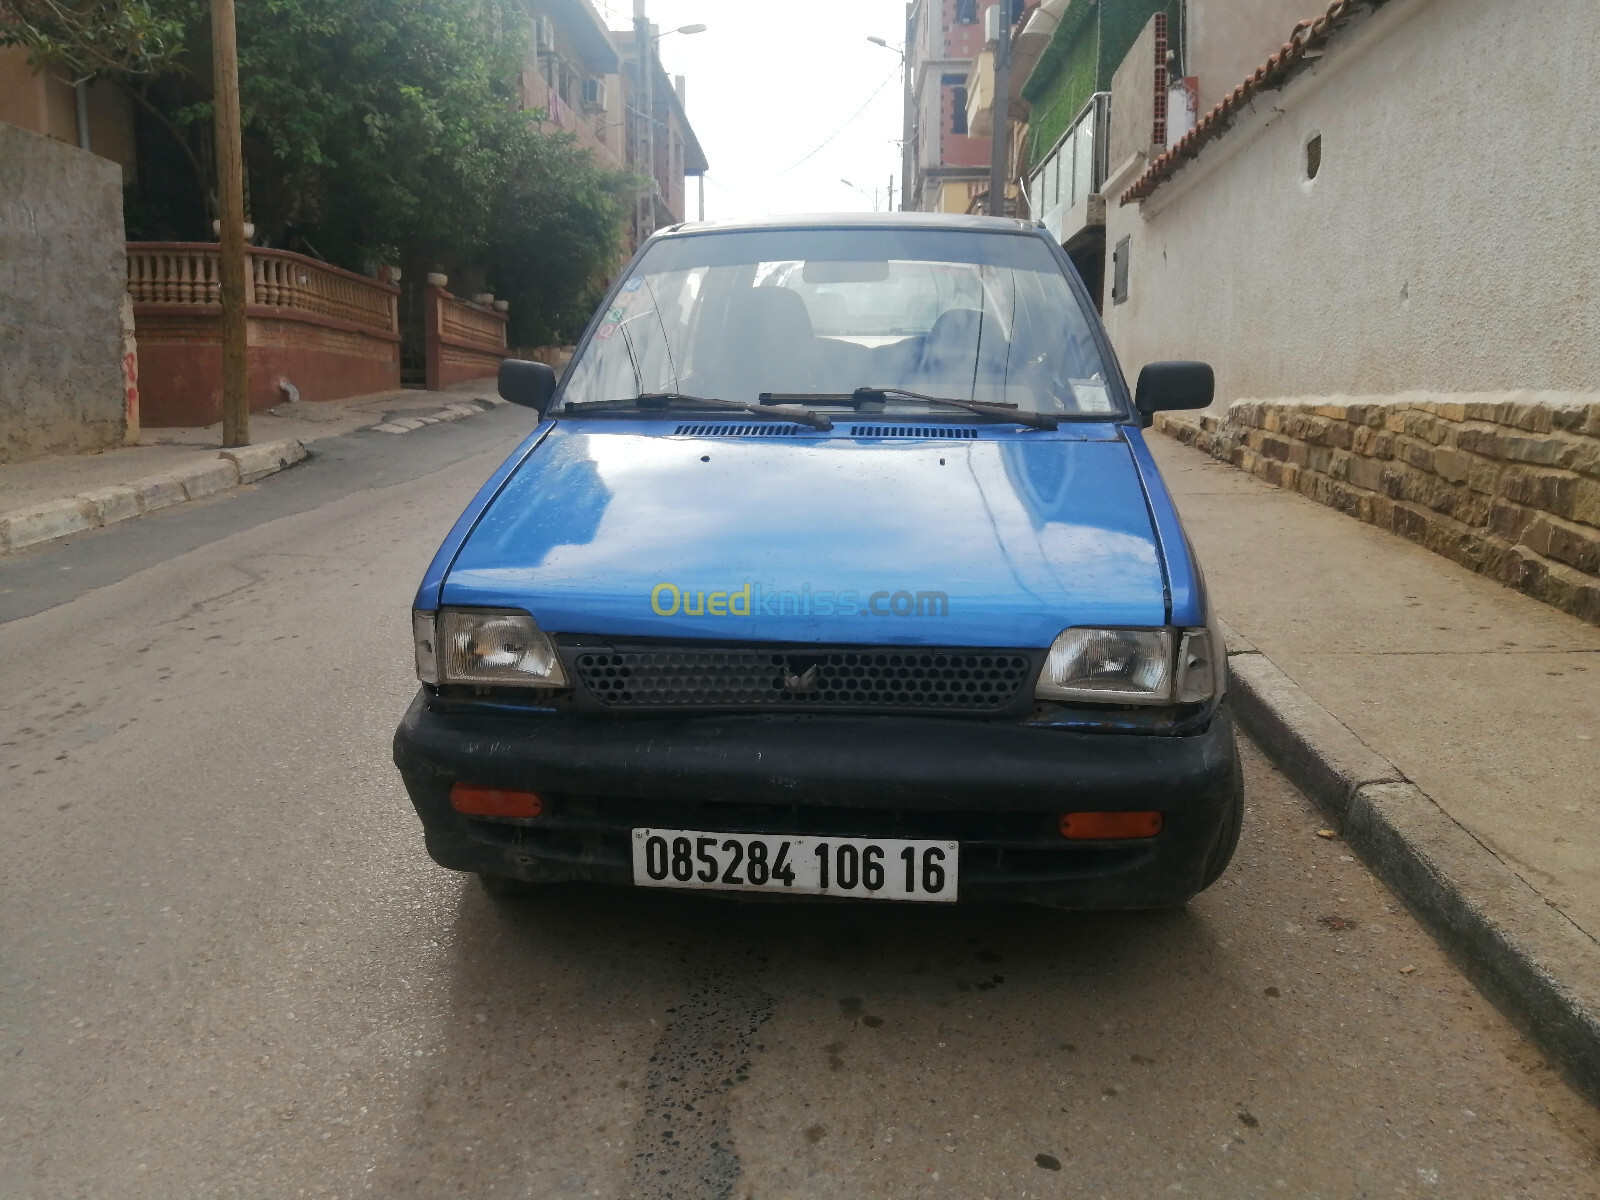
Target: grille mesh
{"type": "Point", "coordinates": [913, 431]}
{"type": "Point", "coordinates": [953, 680]}
{"type": "Point", "coordinates": [763, 429]}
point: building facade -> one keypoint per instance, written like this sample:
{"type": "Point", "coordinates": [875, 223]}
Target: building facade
{"type": "Point", "coordinates": [1384, 239]}
{"type": "Point", "coordinates": [658, 142]}
{"type": "Point", "coordinates": [949, 165]}
{"type": "Point", "coordinates": [1358, 222]}
{"type": "Point", "coordinates": [93, 116]}
{"type": "Point", "coordinates": [570, 73]}
{"type": "Point", "coordinates": [1098, 87]}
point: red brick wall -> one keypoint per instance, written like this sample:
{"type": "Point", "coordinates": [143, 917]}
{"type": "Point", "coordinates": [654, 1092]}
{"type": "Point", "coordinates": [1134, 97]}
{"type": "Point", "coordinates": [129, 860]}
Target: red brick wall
{"type": "Point", "coordinates": [463, 341]}
{"type": "Point", "coordinates": [180, 360]}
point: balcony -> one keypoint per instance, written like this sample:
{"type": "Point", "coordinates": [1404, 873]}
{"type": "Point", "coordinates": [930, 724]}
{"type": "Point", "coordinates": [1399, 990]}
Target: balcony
{"type": "Point", "coordinates": [1064, 190]}
{"type": "Point", "coordinates": [589, 126]}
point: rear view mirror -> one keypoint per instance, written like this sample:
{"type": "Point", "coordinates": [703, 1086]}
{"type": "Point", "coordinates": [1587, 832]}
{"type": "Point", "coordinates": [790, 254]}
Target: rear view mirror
{"type": "Point", "coordinates": [530, 384]}
{"type": "Point", "coordinates": [1165, 386]}
{"type": "Point", "coordinates": [855, 271]}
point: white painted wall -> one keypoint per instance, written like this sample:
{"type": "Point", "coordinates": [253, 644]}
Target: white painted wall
{"type": "Point", "coordinates": [1450, 242]}
{"type": "Point", "coordinates": [1227, 40]}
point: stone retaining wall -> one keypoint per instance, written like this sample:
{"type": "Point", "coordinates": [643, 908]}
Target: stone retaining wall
{"type": "Point", "coordinates": [1506, 485]}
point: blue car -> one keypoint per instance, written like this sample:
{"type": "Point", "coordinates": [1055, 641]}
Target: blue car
{"type": "Point", "coordinates": [837, 566]}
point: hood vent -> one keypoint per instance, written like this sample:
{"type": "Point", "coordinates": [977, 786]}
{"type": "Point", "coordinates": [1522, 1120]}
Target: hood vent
{"type": "Point", "coordinates": [762, 429]}
{"type": "Point", "coordinates": [913, 431]}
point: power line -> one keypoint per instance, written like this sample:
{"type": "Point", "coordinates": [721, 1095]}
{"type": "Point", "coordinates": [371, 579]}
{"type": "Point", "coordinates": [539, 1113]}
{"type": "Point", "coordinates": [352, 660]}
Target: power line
{"type": "Point", "coordinates": [846, 125]}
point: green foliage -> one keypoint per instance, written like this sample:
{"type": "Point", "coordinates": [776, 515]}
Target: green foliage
{"type": "Point", "coordinates": [556, 227]}
{"type": "Point", "coordinates": [124, 39]}
{"type": "Point", "coordinates": [379, 122]}
{"type": "Point", "coordinates": [374, 128]}
{"type": "Point", "coordinates": [1089, 44]}
{"type": "Point", "coordinates": [1069, 90]}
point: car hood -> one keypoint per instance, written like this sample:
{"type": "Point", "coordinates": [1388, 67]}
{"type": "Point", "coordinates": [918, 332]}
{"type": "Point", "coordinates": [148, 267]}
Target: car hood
{"type": "Point", "coordinates": [1000, 540]}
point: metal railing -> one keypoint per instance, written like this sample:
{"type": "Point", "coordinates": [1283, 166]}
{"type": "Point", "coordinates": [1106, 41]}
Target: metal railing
{"type": "Point", "coordinates": [1075, 168]}
{"type": "Point", "coordinates": [187, 273]}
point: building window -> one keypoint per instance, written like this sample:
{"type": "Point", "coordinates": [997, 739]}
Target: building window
{"type": "Point", "coordinates": [1119, 272]}
{"type": "Point", "coordinates": [957, 86]}
{"type": "Point", "coordinates": [966, 12]}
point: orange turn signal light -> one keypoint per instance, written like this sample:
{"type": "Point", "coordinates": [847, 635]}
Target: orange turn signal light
{"type": "Point", "coordinates": [495, 802]}
{"type": "Point", "coordinates": [1109, 826]}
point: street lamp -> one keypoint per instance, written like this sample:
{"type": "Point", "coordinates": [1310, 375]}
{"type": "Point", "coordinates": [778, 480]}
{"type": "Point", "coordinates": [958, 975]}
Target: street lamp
{"type": "Point", "coordinates": [863, 191]}
{"type": "Point", "coordinates": [906, 118]}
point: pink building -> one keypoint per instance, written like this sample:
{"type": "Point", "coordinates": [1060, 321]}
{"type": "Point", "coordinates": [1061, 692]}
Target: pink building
{"type": "Point", "coordinates": [946, 164]}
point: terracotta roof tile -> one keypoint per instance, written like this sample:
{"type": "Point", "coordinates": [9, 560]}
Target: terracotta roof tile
{"type": "Point", "coordinates": [1308, 35]}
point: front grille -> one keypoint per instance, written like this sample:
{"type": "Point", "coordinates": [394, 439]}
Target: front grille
{"type": "Point", "coordinates": [760, 429]}
{"type": "Point", "coordinates": [913, 431]}
{"type": "Point", "coordinates": [809, 680]}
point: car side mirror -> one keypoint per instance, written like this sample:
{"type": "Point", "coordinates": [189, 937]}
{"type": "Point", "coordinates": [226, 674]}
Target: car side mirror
{"type": "Point", "coordinates": [1165, 386]}
{"type": "Point", "coordinates": [530, 384]}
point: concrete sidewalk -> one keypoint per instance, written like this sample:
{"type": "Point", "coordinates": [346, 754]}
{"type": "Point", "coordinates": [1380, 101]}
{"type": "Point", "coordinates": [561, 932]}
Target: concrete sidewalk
{"type": "Point", "coordinates": [1484, 701]}
{"type": "Point", "coordinates": [46, 498]}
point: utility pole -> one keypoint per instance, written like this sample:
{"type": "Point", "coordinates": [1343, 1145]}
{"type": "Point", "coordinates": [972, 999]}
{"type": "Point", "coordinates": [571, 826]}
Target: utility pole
{"type": "Point", "coordinates": [890, 206]}
{"type": "Point", "coordinates": [908, 122]}
{"type": "Point", "coordinates": [644, 47]}
{"type": "Point", "coordinates": [230, 213]}
{"type": "Point", "coordinates": [1000, 135]}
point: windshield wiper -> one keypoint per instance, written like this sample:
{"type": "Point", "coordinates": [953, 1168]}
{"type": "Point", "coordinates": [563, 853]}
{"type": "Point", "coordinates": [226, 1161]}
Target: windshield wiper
{"type": "Point", "coordinates": [665, 400]}
{"type": "Point", "coordinates": [865, 395]}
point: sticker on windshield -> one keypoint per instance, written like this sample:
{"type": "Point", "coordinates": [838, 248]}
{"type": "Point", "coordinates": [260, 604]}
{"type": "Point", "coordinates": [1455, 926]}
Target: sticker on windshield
{"type": "Point", "coordinates": [1092, 396]}
{"type": "Point", "coordinates": [606, 330]}
{"type": "Point", "coordinates": [615, 314]}
{"type": "Point", "coordinates": [634, 284]}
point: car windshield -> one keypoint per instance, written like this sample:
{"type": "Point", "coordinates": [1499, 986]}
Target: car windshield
{"type": "Point", "coordinates": [960, 314]}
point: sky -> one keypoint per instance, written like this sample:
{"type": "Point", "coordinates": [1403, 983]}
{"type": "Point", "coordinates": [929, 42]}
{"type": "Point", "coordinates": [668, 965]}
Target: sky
{"type": "Point", "coordinates": [788, 100]}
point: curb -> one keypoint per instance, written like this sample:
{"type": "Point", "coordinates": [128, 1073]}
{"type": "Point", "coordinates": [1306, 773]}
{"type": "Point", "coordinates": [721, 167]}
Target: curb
{"type": "Point", "coordinates": [25, 527]}
{"type": "Point", "coordinates": [1518, 948]}
{"type": "Point", "coordinates": [453, 412]}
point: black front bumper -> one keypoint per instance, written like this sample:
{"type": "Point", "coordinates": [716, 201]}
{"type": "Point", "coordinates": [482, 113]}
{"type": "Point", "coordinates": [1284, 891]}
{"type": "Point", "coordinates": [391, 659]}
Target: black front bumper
{"type": "Point", "coordinates": [997, 787]}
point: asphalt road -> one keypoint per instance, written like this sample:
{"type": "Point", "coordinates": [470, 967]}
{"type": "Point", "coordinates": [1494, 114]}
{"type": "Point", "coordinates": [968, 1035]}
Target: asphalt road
{"type": "Point", "coordinates": [227, 967]}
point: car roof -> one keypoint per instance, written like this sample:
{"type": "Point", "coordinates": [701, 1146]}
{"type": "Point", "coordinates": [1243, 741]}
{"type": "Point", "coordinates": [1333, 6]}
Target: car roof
{"type": "Point", "coordinates": [857, 220]}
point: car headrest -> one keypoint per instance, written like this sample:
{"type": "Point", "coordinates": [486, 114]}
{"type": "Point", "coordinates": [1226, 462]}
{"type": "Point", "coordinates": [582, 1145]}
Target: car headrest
{"type": "Point", "coordinates": [773, 314]}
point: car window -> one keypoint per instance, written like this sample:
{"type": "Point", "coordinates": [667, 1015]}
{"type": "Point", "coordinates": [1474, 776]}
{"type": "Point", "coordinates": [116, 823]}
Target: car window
{"type": "Point", "coordinates": [966, 315]}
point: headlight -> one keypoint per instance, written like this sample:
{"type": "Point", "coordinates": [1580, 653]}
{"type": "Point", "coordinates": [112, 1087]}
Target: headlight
{"type": "Point", "coordinates": [486, 646]}
{"type": "Point", "coordinates": [1120, 666]}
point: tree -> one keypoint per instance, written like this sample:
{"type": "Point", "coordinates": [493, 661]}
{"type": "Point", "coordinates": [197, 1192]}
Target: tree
{"type": "Point", "coordinates": [387, 129]}
{"type": "Point", "coordinates": [120, 38]}
{"type": "Point", "coordinates": [556, 232]}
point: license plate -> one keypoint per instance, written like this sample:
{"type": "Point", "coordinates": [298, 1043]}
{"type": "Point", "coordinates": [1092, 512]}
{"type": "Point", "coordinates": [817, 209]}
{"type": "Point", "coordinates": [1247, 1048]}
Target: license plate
{"type": "Point", "coordinates": [866, 868]}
